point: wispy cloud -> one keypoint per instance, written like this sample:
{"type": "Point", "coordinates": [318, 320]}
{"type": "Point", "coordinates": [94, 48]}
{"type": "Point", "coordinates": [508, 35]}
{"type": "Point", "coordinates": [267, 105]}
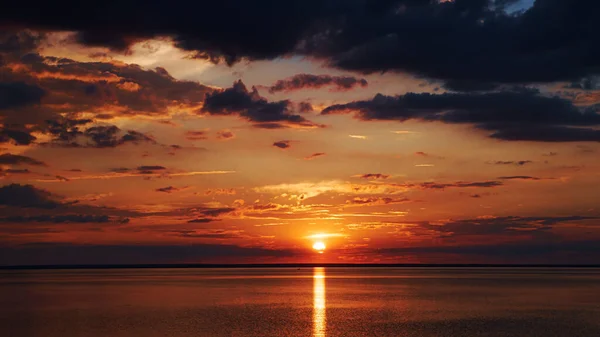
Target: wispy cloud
{"type": "Point", "coordinates": [116, 175]}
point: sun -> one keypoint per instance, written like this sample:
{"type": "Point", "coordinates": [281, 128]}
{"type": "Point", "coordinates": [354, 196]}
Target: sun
{"type": "Point", "coordinates": [319, 246]}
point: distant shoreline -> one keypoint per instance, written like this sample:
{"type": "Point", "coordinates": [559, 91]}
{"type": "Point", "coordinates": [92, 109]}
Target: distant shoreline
{"type": "Point", "coordinates": [287, 265]}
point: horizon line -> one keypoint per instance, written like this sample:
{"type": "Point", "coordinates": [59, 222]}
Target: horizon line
{"type": "Point", "coordinates": [290, 265]}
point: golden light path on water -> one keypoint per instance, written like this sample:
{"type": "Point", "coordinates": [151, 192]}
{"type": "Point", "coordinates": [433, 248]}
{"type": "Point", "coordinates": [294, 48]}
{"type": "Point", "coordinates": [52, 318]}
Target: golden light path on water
{"type": "Point", "coordinates": [319, 307]}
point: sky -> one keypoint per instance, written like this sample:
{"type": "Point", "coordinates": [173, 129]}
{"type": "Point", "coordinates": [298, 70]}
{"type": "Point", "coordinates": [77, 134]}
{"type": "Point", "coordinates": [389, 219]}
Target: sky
{"type": "Point", "coordinates": [392, 131]}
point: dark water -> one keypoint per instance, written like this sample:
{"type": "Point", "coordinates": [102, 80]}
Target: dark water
{"type": "Point", "coordinates": [305, 302]}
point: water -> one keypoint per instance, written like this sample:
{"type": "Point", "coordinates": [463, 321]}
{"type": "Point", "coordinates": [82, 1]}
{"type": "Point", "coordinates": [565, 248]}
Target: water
{"type": "Point", "coordinates": [306, 302]}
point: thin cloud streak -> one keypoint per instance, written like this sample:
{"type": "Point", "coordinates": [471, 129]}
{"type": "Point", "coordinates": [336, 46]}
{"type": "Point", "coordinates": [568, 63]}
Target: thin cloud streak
{"type": "Point", "coordinates": [130, 175]}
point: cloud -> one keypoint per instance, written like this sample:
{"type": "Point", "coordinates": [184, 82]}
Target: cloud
{"type": "Point", "coordinates": [491, 45]}
{"type": "Point", "coordinates": [500, 225]}
{"type": "Point", "coordinates": [372, 176]}
{"type": "Point", "coordinates": [14, 171]}
{"type": "Point", "coordinates": [370, 201]}
{"type": "Point", "coordinates": [306, 81]}
{"type": "Point", "coordinates": [122, 172]}
{"type": "Point", "coordinates": [282, 144]}
{"type": "Point", "coordinates": [305, 107]}
{"type": "Point", "coordinates": [26, 196]}
{"type": "Point", "coordinates": [215, 212]}
{"type": "Point", "coordinates": [68, 133]}
{"type": "Point", "coordinates": [314, 155]}
{"type": "Point", "coordinates": [427, 155]}
{"type": "Point", "coordinates": [221, 191]}
{"type": "Point", "coordinates": [19, 42]}
{"type": "Point", "coordinates": [225, 135]}
{"type": "Point", "coordinates": [19, 137]}
{"type": "Point", "coordinates": [460, 184]}
{"type": "Point", "coordinates": [19, 94]}
{"type": "Point", "coordinates": [520, 178]}
{"type": "Point", "coordinates": [14, 159]}
{"type": "Point", "coordinates": [196, 135]}
{"type": "Point", "coordinates": [212, 234]}
{"type": "Point", "coordinates": [202, 220]}
{"type": "Point", "coordinates": [237, 100]}
{"type": "Point", "coordinates": [69, 218]}
{"type": "Point", "coordinates": [509, 115]}
{"type": "Point", "coordinates": [170, 189]}
{"type": "Point", "coordinates": [305, 190]}
{"type": "Point", "coordinates": [150, 169]}
{"type": "Point", "coordinates": [520, 252]}
{"type": "Point", "coordinates": [101, 90]}
{"type": "Point", "coordinates": [517, 163]}
{"type": "Point", "coordinates": [357, 136]}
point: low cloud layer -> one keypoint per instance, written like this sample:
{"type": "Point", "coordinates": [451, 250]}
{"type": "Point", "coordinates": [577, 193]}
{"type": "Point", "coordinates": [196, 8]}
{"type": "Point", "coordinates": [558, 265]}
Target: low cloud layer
{"type": "Point", "coordinates": [307, 81]}
{"type": "Point", "coordinates": [510, 115]}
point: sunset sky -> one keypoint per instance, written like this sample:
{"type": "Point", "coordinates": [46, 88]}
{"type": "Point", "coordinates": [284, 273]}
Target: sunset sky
{"type": "Point", "coordinates": [396, 131]}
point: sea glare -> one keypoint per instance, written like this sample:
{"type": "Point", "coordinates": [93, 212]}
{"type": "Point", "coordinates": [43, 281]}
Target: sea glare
{"type": "Point", "coordinates": [320, 302]}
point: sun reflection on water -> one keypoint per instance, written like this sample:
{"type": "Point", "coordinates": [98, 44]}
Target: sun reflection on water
{"type": "Point", "coordinates": [319, 307]}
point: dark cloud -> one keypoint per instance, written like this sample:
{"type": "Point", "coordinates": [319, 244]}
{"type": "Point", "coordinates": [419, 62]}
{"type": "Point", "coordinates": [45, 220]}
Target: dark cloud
{"type": "Point", "coordinates": [19, 42]}
{"type": "Point", "coordinates": [14, 159]}
{"type": "Point", "coordinates": [196, 135]}
{"type": "Point", "coordinates": [500, 225]}
{"type": "Point", "coordinates": [170, 189]}
{"type": "Point", "coordinates": [70, 218]}
{"type": "Point", "coordinates": [202, 220]}
{"type": "Point", "coordinates": [108, 136]}
{"type": "Point", "coordinates": [225, 135]}
{"type": "Point", "coordinates": [548, 134]}
{"type": "Point", "coordinates": [220, 35]}
{"type": "Point", "coordinates": [69, 133]}
{"type": "Point", "coordinates": [249, 105]}
{"type": "Point", "coordinates": [315, 155]}
{"type": "Point", "coordinates": [509, 115]}
{"type": "Point", "coordinates": [373, 176]}
{"type": "Point", "coordinates": [282, 144]}
{"type": "Point", "coordinates": [214, 212]}
{"type": "Point", "coordinates": [100, 89]}
{"type": "Point", "coordinates": [460, 184]}
{"type": "Point", "coordinates": [517, 163]}
{"type": "Point", "coordinates": [18, 94]}
{"type": "Point", "coordinates": [120, 170]}
{"type": "Point", "coordinates": [150, 169]}
{"type": "Point", "coordinates": [307, 81]}
{"type": "Point", "coordinates": [522, 252]}
{"type": "Point", "coordinates": [519, 178]}
{"type": "Point", "coordinates": [15, 171]}
{"type": "Point", "coordinates": [305, 107]}
{"type": "Point", "coordinates": [26, 196]}
{"type": "Point", "coordinates": [469, 86]}
{"type": "Point", "coordinates": [212, 234]}
{"type": "Point", "coordinates": [487, 44]}
{"type": "Point", "coordinates": [19, 137]}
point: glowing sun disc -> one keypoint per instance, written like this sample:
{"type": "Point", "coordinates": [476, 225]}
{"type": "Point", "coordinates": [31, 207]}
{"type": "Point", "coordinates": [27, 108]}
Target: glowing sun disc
{"type": "Point", "coordinates": [319, 246]}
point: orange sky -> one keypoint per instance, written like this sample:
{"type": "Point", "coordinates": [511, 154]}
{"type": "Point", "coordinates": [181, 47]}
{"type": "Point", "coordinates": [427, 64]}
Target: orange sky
{"type": "Point", "coordinates": [231, 191]}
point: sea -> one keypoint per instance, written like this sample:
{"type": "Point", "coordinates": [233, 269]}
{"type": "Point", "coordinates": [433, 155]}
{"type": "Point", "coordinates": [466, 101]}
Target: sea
{"type": "Point", "coordinates": [310, 301]}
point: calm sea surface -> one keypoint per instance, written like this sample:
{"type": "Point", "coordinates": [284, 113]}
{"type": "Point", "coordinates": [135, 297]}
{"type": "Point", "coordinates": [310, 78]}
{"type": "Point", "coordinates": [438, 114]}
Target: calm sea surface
{"type": "Point", "coordinates": [305, 302]}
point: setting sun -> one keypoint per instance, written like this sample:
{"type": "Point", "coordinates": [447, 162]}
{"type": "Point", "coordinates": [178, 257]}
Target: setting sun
{"type": "Point", "coordinates": [319, 246]}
